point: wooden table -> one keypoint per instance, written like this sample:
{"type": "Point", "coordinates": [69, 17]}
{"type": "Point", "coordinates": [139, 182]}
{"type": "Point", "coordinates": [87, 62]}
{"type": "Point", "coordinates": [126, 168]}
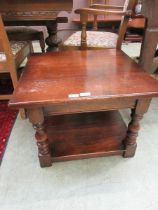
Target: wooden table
{"type": "Point", "coordinates": [36, 13]}
{"type": "Point", "coordinates": [72, 99]}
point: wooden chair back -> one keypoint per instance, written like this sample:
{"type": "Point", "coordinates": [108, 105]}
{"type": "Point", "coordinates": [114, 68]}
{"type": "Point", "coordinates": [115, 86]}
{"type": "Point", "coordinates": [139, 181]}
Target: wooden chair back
{"type": "Point", "coordinates": [11, 60]}
{"type": "Point", "coordinates": [95, 10]}
{"type": "Point", "coordinates": [7, 61]}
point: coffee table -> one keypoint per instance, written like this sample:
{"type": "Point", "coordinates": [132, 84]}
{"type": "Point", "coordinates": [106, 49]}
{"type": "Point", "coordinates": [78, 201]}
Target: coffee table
{"type": "Point", "coordinates": [72, 99]}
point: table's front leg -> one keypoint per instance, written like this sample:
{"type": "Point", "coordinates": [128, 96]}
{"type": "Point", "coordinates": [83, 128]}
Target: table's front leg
{"type": "Point", "coordinates": [36, 117]}
{"type": "Point", "coordinates": [141, 107]}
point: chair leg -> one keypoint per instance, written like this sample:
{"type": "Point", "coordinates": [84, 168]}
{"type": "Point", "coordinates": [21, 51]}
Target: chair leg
{"type": "Point", "coordinates": [14, 78]}
{"type": "Point", "coordinates": [13, 75]}
{"type": "Point", "coordinates": [23, 114]}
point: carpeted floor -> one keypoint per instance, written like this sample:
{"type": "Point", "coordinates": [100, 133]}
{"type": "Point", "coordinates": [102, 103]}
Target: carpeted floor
{"type": "Point", "coordinates": [108, 183]}
{"type": "Point", "coordinates": [7, 119]}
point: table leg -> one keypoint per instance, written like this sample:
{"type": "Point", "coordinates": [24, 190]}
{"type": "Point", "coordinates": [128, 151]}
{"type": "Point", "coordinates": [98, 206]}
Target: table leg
{"type": "Point", "coordinates": [134, 126]}
{"type": "Point", "coordinates": [37, 119]}
{"type": "Point", "coordinates": [52, 40]}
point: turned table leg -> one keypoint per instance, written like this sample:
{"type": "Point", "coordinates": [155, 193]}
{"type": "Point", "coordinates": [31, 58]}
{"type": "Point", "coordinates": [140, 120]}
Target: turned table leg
{"type": "Point", "coordinates": [137, 113]}
{"type": "Point", "coordinates": [37, 119]}
{"type": "Point", "coordinates": [52, 40]}
{"type": "Point", "coordinates": [43, 146]}
{"type": "Point", "coordinates": [132, 133]}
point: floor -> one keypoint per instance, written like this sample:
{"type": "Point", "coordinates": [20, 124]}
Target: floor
{"type": "Point", "coordinates": [110, 183]}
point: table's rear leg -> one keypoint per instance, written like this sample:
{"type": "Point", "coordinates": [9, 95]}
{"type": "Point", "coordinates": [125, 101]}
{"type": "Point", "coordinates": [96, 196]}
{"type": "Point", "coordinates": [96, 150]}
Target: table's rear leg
{"type": "Point", "coordinates": [37, 119]}
{"type": "Point", "coordinates": [134, 126]}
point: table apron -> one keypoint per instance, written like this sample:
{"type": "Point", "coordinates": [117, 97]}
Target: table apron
{"type": "Point", "coordinates": [88, 106]}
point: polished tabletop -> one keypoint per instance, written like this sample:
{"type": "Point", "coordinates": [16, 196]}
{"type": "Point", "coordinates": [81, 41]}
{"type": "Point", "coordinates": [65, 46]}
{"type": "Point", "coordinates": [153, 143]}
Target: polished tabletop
{"type": "Point", "coordinates": [58, 77]}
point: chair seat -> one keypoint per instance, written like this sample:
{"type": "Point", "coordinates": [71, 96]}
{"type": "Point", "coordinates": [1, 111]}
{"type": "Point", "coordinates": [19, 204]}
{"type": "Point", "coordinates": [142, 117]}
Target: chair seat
{"type": "Point", "coordinates": [26, 34]}
{"type": "Point", "coordinates": [15, 47]}
{"type": "Point", "coordinates": [94, 39]}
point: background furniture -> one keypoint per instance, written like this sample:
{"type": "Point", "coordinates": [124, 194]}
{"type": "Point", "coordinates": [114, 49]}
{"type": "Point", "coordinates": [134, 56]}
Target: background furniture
{"type": "Point", "coordinates": [151, 34]}
{"type": "Point", "coordinates": [108, 22]}
{"type": "Point", "coordinates": [12, 55]}
{"type": "Point", "coordinates": [73, 104]}
{"type": "Point", "coordinates": [111, 23]}
{"type": "Point", "coordinates": [135, 29]}
{"type": "Point", "coordinates": [96, 1]}
{"type": "Point", "coordinates": [36, 13]}
{"type": "Point", "coordinates": [96, 39]}
{"type": "Point", "coordinates": [26, 34]}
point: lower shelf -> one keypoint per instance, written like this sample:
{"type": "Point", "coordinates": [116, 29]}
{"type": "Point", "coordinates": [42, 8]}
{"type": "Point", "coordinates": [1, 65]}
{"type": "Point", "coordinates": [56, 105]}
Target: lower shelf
{"type": "Point", "coordinates": [85, 135]}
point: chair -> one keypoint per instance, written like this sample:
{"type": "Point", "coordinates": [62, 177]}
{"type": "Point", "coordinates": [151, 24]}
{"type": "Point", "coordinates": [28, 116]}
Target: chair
{"type": "Point", "coordinates": [12, 54]}
{"type": "Point", "coordinates": [96, 39]}
{"type": "Point", "coordinates": [26, 34]}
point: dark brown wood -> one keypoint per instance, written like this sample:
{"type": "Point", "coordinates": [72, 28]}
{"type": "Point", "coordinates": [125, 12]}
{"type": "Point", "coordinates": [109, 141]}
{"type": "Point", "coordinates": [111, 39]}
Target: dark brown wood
{"type": "Point", "coordinates": [137, 23]}
{"type": "Point", "coordinates": [91, 2]}
{"type": "Point", "coordinates": [96, 70]}
{"type": "Point", "coordinates": [151, 34]}
{"type": "Point", "coordinates": [33, 12]}
{"type": "Point", "coordinates": [32, 9]}
{"type": "Point", "coordinates": [134, 126]}
{"type": "Point", "coordinates": [112, 80]}
{"type": "Point", "coordinates": [36, 117]}
{"type": "Point", "coordinates": [52, 40]}
{"type": "Point", "coordinates": [85, 135]}
{"type": "Point", "coordinates": [135, 29]}
{"type": "Point", "coordinates": [100, 104]}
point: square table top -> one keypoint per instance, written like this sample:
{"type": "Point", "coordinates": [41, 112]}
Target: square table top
{"type": "Point", "coordinates": [58, 77]}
